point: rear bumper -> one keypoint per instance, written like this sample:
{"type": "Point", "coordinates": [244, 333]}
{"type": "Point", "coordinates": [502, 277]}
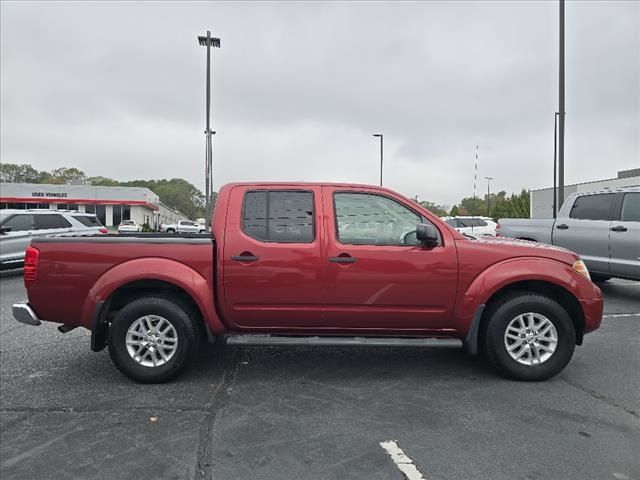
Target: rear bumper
{"type": "Point", "coordinates": [23, 313]}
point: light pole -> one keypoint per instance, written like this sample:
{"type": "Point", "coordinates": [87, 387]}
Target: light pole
{"type": "Point", "coordinates": [381, 152]}
{"type": "Point", "coordinates": [561, 111]}
{"type": "Point", "coordinates": [488, 193]}
{"type": "Point", "coordinates": [208, 42]}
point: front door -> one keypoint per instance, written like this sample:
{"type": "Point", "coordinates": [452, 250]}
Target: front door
{"type": "Point", "coordinates": [379, 278]}
{"type": "Point", "coordinates": [272, 259]}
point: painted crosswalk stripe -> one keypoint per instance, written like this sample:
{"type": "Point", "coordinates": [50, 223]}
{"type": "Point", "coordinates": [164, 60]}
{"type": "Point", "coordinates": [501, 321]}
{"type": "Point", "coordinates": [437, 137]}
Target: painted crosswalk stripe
{"type": "Point", "coordinates": [404, 463]}
{"type": "Point", "coordinates": [620, 315]}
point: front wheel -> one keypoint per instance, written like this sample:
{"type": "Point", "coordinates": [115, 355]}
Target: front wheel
{"type": "Point", "coordinates": [153, 339]}
{"type": "Point", "coordinates": [529, 337]}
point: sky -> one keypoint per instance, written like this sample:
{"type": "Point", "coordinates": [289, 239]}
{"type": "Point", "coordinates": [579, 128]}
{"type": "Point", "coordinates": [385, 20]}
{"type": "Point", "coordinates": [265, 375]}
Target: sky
{"type": "Point", "coordinates": [117, 89]}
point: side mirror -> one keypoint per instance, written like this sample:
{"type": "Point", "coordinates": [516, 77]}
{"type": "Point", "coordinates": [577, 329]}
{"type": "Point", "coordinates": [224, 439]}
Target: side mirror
{"type": "Point", "coordinates": [4, 230]}
{"type": "Point", "coordinates": [427, 234]}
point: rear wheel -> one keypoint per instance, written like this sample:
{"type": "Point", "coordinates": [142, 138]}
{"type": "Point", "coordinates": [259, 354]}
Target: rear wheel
{"type": "Point", "coordinates": [171, 230]}
{"type": "Point", "coordinates": [153, 339]}
{"type": "Point", "coordinates": [529, 337]}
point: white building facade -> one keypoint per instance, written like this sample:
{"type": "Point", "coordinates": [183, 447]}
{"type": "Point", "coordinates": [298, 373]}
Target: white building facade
{"type": "Point", "coordinates": [110, 204]}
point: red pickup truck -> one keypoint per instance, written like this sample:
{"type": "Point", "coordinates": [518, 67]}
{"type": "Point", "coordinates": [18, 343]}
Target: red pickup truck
{"type": "Point", "coordinates": [325, 264]}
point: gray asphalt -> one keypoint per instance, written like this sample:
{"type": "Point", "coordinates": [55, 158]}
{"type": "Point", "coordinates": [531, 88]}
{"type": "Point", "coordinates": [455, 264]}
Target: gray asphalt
{"type": "Point", "coordinates": [318, 412]}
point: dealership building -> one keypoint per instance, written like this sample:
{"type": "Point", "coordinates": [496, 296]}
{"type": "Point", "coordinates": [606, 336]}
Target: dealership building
{"type": "Point", "coordinates": [110, 204]}
{"type": "Point", "coordinates": [541, 201]}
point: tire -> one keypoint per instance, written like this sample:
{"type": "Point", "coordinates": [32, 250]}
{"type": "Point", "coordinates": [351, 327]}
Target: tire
{"type": "Point", "coordinates": [201, 231]}
{"type": "Point", "coordinates": [130, 323]}
{"type": "Point", "coordinates": [599, 278]}
{"type": "Point", "coordinates": [171, 230]}
{"type": "Point", "coordinates": [543, 311]}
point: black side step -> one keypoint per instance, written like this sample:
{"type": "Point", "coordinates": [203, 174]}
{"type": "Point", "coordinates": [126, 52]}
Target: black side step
{"type": "Point", "coordinates": [344, 341]}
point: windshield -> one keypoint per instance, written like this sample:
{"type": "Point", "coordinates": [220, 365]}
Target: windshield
{"type": "Point", "coordinates": [128, 222]}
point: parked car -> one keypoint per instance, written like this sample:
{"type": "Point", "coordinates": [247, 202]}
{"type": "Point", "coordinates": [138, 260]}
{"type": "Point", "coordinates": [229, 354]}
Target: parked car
{"type": "Point", "coordinates": [603, 227]}
{"type": "Point", "coordinates": [296, 263]}
{"type": "Point", "coordinates": [183, 226]}
{"type": "Point", "coordinates": [129, 226]}
{"type": "Point", "coordinates": [473, 225]}
{"type": "Point", "coordinates": [19, 227]}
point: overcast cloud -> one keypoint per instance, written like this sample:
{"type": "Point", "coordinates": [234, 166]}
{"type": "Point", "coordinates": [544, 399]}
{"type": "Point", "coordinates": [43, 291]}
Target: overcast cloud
{"type": "Point", "coordinates": [117, 89]}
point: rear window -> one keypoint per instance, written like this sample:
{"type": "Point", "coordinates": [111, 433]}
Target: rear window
{"type": "Point", "coordinates": [50, 221]}
{"type": "Point", "coordinates": [278, 216]}
{"type": "Point", "coordinates": [631, 208]}
{"type": "Point", "coordinates": [88, 220]}
{"type": "Point", "coordinates": [593, 207]}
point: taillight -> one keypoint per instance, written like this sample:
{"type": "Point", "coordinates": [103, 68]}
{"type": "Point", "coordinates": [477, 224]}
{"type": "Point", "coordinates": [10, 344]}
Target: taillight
{"type": "Point", "coordinates": [498, 230]}
{"type": "Point", "coordinates": [31, 258]}
{"type": "Point", "coordinates": [103, 230]}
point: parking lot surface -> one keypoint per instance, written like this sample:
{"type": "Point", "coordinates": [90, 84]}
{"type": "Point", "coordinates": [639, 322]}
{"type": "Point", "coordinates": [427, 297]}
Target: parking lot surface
{"type": "Point", "coordinates": [318, 412]}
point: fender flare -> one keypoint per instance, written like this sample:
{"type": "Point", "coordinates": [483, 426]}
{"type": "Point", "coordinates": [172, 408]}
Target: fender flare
{"type": "Point", "coordinates": [197, 286]}
{"type": "Point", "coordinates": [498, 276]}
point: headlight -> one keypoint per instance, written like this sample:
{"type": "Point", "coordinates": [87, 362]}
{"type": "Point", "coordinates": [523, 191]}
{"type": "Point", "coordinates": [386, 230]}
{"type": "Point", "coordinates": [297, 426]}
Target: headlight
{"type": "Point", "coordinates": [581, 268]}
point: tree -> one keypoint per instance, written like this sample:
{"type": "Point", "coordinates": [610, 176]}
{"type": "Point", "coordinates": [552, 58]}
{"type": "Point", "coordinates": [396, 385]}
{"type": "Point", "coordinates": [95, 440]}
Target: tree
{"type": "Point", "coordinates": [68, 176]}
{"type": "Point", "coordinates": [434, 208]}
{"type": "Point", "coordinates": [14, 173]}
{"type": "Point", "coordinates": [454, 211]}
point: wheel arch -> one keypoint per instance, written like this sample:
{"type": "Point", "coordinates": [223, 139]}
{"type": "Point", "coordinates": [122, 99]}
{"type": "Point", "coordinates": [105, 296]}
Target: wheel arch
{"type": "Point", "coordinates": [554, 291]}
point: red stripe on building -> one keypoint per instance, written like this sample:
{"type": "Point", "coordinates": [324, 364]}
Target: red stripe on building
{"type": "Point", "coordinates": [88, 201]}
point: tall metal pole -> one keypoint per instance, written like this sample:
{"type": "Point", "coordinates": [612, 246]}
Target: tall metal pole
{"type": "Point", "coordinates": [381, 155]}
{"type": "Point", "coordinates": [488, 193]}
{"type": "Point", "coordinates": [209, 42]}
{"type": "Point", "coordinates": [381, 136]}
{"type": "Point", "coordinates": [561, 111]}
{"type": "Point", "coordinates": [207, 208]}
{"type": "Point", "coordinates": [555, 165]}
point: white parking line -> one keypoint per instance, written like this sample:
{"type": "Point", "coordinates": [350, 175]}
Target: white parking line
{"type": "Point", "coordinates": [619, 315]}
{"type": "Point", "coordinates": [404, 463]}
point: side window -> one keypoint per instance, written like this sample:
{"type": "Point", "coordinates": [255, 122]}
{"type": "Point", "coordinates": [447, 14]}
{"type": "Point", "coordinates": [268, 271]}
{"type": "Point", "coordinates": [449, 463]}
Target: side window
{"type": "Point", "coordinates": [630, 208]}
{"type": "Point", "coordinates": [19, 223]}
{"type": "Point", "coordinates": [48, 221]}
{"type": "Point", "coordinates": [279, 216]}
{"type": "Point", "coordinates": [480, 223]}
{"type": "Point", "coordinates": [366, 219]}
{"type": "Point", "coordinates": [593, 207]}
{"type": "Point", "coordinates": [88, 220]}
{"type": "Point", "coordinates": [453, 222]}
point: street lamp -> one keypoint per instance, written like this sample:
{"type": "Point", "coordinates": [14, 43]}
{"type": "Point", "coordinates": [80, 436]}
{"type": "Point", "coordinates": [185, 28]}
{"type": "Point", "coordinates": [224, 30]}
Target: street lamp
{"type": "Point", "coordinates": [208, 42]}
{"type": "Point", "coordinates": [381, 152]}
{"type": "Point", "coordinates": [488, 193]}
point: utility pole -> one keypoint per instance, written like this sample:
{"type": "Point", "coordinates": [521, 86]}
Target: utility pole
{"type": "Point", "coordinates": [488, 193]}
{"type": "Point", "coordinates": [561, 112]}
{"type": "Point", "coordinates": [555, 165]}
{"type": "Point", "coordinates": [381, 152]}
{"type": "Point", "coordinates": [208, 42]}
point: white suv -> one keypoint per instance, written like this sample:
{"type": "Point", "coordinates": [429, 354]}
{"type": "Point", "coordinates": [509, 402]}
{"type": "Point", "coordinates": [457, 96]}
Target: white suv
{"type": "Point", "coordinates": [473, 225]}
{"type": "Point", "coordinates": [18, 227]}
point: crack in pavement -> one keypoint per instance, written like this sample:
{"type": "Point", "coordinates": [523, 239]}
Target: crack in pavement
{"type": "Point", "coordinates": [218, 400]}
{"type": "Point", "coordinates": [599, 396]}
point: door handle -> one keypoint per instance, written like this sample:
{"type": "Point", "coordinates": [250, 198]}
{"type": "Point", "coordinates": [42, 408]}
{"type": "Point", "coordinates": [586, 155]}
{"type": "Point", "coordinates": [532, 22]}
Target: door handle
{"type": "Point", "coordinates": [562, 226]}
{"type": "Point", "coordinates": [344, 259]}
{"type": "Point", "coordinates": [245, 257]}
{"type": "Point", "coordinates": [618, 228]}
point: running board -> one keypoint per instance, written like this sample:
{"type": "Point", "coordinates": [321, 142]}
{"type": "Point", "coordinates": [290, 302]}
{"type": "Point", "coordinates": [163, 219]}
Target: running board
{"type": "Point", "coordinates": [344, 341]}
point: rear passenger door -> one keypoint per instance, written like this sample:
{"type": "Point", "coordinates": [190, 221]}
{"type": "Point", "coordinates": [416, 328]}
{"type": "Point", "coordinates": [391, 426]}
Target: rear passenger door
{"type": "Point", "coordinates": [625, 236]}
{"type": "Point", "coordinates": [272, 258]}
{"type": "Point", "coordinates": [586, 230]}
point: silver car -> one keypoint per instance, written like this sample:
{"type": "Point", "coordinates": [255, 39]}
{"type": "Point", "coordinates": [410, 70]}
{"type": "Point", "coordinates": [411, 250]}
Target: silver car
{"type": "Point", "coordinates": [18, 227]}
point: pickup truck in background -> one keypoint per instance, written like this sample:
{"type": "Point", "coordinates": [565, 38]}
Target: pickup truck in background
{"type": "Point", "coordinates": [320, 264]}
{"type": "Point", "coordinates": [602, 227]}
{"type": "Point", "coordinates": [183, 226]}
